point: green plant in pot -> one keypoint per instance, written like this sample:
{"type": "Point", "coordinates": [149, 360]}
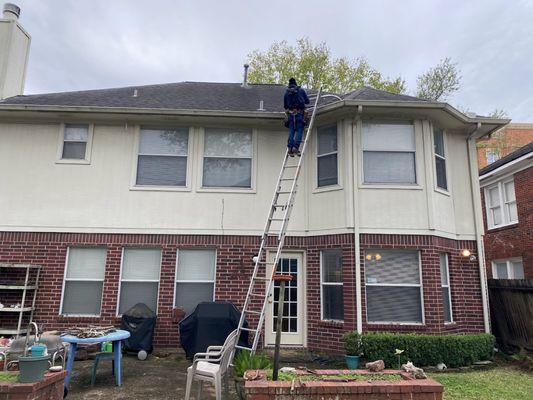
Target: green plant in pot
{"type": "Point", "coordinates": [244, 361]}
{"type": "Point", "coordinates": [353, 345]}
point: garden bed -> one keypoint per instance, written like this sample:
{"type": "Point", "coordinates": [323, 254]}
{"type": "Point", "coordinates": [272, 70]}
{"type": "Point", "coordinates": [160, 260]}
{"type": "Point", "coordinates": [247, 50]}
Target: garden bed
{"type": "Point", "coordinates": [344, 384]}
{"type": "Point", "coordinates": [50, 388]}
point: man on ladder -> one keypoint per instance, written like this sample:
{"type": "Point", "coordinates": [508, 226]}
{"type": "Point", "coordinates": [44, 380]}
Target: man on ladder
{"type": "Point", "coordinates": [294, 102]}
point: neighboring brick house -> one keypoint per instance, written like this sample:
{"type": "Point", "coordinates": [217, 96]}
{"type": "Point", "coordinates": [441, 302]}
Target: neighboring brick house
{"type": "Point", "coordinates": [503, 142]}
{"type": "Point", "coordinates": [507, 192]}
{"type": "Point", "coordinates": [159, 194]}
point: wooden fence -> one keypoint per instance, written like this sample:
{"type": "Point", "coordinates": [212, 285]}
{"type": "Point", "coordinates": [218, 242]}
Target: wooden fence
{"type": "Point", "coordinates": [511, 308]}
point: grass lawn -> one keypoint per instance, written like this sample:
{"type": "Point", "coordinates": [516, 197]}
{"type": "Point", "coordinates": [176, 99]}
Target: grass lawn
{"type": "Point", "coordinates": [501, 383]}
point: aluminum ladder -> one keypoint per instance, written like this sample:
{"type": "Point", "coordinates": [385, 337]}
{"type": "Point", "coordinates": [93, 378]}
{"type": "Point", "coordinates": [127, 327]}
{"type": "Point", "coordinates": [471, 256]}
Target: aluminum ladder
{"type": "Point", "coordinates": [279, 213]}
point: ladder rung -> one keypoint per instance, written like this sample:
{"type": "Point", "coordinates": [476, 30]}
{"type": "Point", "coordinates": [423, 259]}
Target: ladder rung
{"type": "Point", "coordinates": [291, 166]}
{"type": "Point", "coordinates": [243, 347]}
{"type": "Point", "coordinates": [279, 205]}
{"type": "Point", "coordinates": [283, 192]}
{"type": "Point", "coordinates": [257, 295]}
{"type": "Point", "coordinates": [277, 219]}
{"type": "Point", "coordinates": [248, 329]}
{"type": "Point", "coordinates": [253, 312]}
{"type": "Point", "coordinates": [262, 278]}
{"type": "Point", "coordinates": [286, 179]}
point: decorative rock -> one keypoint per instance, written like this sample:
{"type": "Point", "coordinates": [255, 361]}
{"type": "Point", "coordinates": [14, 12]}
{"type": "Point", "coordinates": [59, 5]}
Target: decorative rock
{"type": "Point", "coordinates": [375, 366]}
{"type": "Point", "coordinates": [417, 373]}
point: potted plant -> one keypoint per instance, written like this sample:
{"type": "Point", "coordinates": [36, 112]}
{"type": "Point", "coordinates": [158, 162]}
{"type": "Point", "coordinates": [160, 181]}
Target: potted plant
{"type": "Point", "coordinates": [353, 346]}
{"type": "Point", "coordinates": [244, 361]}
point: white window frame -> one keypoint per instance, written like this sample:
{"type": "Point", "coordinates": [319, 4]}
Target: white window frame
{"type": "Point", "coordinates": [88, 145]}
{"type": "Point", "coordinates": [322, 284]}
{"type": "Point", "coordinates": [65, 279]}
{"type": "Point", "coordinates": [435, 155]}
{"type": "Point", "coordinates": [448, 286]}
{"type": "Point", "coordinates": [419, 151]}
{"type": "Point", "coordinates": [503, 204]}
{"type": "Point", "coordinates": [510, 270]}
{"type": "Point", "coordinates": [317, 156]}
{"type": "Point", "coordinates": [176, 281]}
{"type": "Point", "coordinates": [419, 285]}
{"type": "Point", "coordinates": [200, 164]}
{"type": "Point", "coordinates": [158, 281]}
{"type": "Point", "coordinates": [161, 188]}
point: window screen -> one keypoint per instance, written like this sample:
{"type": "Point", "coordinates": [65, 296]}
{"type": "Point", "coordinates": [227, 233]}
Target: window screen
{"type": "Point", "coordinates": [84, 278]}
{"type": "Point", "coordinates": [389, 153]}
{"type": "Point", "coordinates": [327, 173]}
{"type": "Point", "coordinates": [75, 142]}
{"type": "Point", "coordinates": [195, 278]}
{"type": "Point", "coordinates": [393, 288]}
{"type": "Point", "coordinates": [440, 158]}
{"type": "Point", "coordinates": [227, 158]}
{"type": "Point", "coordinates": [162, 159]}
{"type": "Point", "coordinates": [139, 278]}
{"type": "Point", "coordinates": [332, 285]}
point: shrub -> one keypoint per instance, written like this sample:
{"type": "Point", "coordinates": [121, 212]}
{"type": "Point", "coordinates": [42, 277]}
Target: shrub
{"type": "Point", "coordinates": [244, 360]}
{"type": "Point", "coordinates": [352, 343]}
{"type": "Point", "coordinates": [424, 350]}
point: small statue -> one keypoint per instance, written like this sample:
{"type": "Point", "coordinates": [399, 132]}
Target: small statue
{"type": "Point", "coordinates": [417, 373]}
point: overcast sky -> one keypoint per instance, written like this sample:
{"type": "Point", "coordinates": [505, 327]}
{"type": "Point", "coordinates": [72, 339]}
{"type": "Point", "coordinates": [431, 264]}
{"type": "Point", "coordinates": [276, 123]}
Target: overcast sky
{"type": "Point", "coordinates": [79, 45]}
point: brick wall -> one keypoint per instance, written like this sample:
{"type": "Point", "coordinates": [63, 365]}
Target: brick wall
{"type": "Point", "coordinates": [514, 240]}
{"type": "Point", "coordinates": [504, 142]}
{"type": "Point", "coordinates": [234, 267]}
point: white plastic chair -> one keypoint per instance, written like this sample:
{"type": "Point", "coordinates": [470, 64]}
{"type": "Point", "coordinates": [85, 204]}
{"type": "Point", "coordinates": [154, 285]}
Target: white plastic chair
{"type": "Point", "coordinates": [211, 366]}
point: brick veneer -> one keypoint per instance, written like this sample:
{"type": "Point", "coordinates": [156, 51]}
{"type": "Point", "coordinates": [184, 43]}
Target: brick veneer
{"type": "Point", "coordinates": [514, 240]}
{"type": "Point", "coordinates": [50, 388]}
{"type": "Point", "coordinates": [234, 255]}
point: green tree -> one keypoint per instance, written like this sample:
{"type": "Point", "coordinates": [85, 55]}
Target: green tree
{"type": "Point", "coordinates": [313, 66]}
{"type": "Point", "coordinates": [439, 82]}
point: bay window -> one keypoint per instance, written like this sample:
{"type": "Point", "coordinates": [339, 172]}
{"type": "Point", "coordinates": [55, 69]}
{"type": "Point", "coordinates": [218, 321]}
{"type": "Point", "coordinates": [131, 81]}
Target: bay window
{"type": "Point", "coordinates": [327, 154]}
{"type": "Point", "coordinates": [440, 158]}
{"type": "Point", "coordinates": [445, 286]}
{"type": "Point", "coordinates": [331, 285]}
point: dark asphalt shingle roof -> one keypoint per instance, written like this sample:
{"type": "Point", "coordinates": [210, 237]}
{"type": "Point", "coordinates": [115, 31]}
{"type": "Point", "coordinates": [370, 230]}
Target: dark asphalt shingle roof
{"type": "Point", "coordinates": [528, 148]}
{"type": "Point", "coordinates": [189, 96]}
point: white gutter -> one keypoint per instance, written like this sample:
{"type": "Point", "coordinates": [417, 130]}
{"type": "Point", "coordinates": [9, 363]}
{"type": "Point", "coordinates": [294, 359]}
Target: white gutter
{"type": "Point", "coordinates": [356, 233]}
{"type": "Point", "coordinates": [504, 166]}
{"type": "Point", "coordinates": [478, 223]}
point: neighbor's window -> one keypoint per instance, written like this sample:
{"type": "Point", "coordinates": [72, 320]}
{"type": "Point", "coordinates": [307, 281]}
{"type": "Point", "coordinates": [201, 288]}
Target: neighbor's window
{"type": "Point", "coordinates": [492, 156]}
{"type": "Point", "coordinates": [501, 204]}
{"type": "Point", "coordinates": [331, 285]}
{"type": "Point", "coordinates": [393, 287]}
{"type": "Point", "coordinates": [162, 159]}
{"type": "Point", "coordinates": [445, 285]}
{"type": "Point", "coordinates": [440, 158]}
{"type": "Point", "coordinates": [227, 158]}
{"type": "Point", "coordinates": [75, 140]}
{"type": "Point", "coordinates": [139, 282]}
{"type": "Point", "coordinates": [195, 278]}
{"type": "Point", "coordinates": [84, 280]}
{"type": "Point", "coordinates": [327, 155]}
{"type": "Point", "coordinates": [508, 269]}
{"type": "Point", "coordinates": [389, 153]}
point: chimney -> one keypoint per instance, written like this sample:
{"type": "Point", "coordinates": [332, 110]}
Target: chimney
{"type": "Point", "coordinates": [245, 80]}
{"type": "Point", "coordinates": [14, 52]}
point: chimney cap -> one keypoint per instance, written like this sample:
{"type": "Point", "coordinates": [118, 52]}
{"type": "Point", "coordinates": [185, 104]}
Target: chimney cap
{"type": "Point", "coordinates": [11, 11]}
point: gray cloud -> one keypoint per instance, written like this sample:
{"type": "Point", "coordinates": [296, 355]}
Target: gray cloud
{"type": "Point", "coordinates": [79, 45]}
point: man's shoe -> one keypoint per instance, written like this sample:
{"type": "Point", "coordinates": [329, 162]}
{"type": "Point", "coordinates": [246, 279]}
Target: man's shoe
{"type": "Point", "coordinates": [291, 152]}
{"type": "Point", "coordinates": [296, 151]}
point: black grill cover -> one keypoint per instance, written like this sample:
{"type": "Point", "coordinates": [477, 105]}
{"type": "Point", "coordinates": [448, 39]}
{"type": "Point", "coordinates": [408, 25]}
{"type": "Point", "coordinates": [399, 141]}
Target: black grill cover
{"type": "Point", "coordinates": [140, 322]}
{"type": "Point", "coordinates": [209, 325]}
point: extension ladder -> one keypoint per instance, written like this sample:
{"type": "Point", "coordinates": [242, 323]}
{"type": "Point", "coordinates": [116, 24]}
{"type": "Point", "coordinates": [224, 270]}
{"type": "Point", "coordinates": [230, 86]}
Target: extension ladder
{"type": "Point", "coordinates": [280, 212]}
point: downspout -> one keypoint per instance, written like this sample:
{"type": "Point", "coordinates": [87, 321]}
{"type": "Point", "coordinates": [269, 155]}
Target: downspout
{"type": "Point", "coordinates": [357, 246]}
{"type": "Point", "coordinates": [478, 223]}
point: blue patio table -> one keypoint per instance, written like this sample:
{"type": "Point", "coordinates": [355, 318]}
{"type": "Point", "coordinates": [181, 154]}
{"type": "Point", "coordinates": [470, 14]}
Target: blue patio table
{"type": "Point", "coordinates": [115, 337]}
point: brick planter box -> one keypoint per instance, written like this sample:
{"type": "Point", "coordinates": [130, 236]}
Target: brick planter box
{"type": "Point", "coordinates": [51, 388]}
{"type": "Point", "coordinates": [406, 389]}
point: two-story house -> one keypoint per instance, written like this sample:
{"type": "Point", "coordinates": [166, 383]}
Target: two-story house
{"type": "Point", "coordinates": [507, 190]}
{"type": "Point", "coordinates": [159, 194]}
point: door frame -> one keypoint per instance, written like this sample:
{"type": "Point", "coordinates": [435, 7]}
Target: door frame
{"type": "Point", "coordinates": [268, 317]}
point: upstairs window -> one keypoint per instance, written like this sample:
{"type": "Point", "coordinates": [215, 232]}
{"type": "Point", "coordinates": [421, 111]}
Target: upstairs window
{"type": "Point", "coordinates": [500, 200]}
{"type": "Point", "coordinates": [389, 153]}
{"type": "Point", "coordinates": [508, 269]}
{"type": "Point", "coordinates": [227, 158]}
{"type": "Point", "coordinates": [75, 138]}
{"type": "Point", "coordinates": [162, 158]}
{"type": "Point", "coordinates": [440, 158]}
{"type": "Point", "coordinates": [327, 156]}
{"type": "Point", "coordinates": [331, 285]}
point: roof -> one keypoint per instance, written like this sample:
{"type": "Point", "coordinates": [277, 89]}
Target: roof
{"type": "Point", "coordinates": [522, 151]}
{"type": "Point", "coordinates": [190, 96]}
